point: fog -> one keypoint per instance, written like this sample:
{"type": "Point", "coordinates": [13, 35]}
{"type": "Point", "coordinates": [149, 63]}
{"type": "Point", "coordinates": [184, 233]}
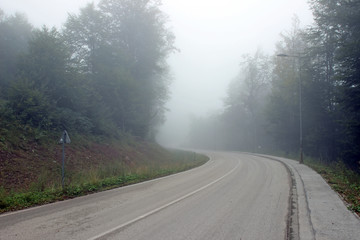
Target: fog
{"type": "Point", "coordinates": [211, 37]}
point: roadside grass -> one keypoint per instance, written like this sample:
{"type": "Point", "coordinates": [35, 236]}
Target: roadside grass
{"type": "Point", "coordinates": [340, 178]}
{"type": "Point", "coordinates": [107, 176]}
{"type": "Point", "coordinates": [343, 180]}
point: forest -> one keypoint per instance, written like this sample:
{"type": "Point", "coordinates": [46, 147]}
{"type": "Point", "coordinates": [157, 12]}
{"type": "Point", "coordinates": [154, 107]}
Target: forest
{"type": "Point", "coordinates": [307, 93]}
{"type": "Point", "coordinates": [103, 77]}
{"type": "Point", "coordinates": [103, 73]}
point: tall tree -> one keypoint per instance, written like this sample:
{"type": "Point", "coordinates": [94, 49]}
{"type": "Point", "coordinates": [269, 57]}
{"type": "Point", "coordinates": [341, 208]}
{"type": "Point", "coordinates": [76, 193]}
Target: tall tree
{"type": "Point", "coordinates": [320, 97]}
{"type": "Point", "coordinates": [15, 32]}
{"type": "Point", "coordinates": [85, 34]}
{"type": "Point", "coordinates": [138, 28]}
{"type": "Point", "coordinates": [246, 97]}
{"type": "Point", "coordinates": [334, 49]}
{"type": "Point", "coordinates": [346, 17]}
{"type": "Point", "coordinates": [121, 48]}
{"type": "Point", "coordinates": [43, 80]}
{"type": "Point", "coordinates": [283, 107]}
{"type": "Point", "coordinates": [46, 66]}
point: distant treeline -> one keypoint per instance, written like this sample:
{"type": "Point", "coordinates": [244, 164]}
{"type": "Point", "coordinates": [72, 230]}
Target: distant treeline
{"type": "Point", "coordinates": [262, 111]}
{"type": "Point", "coordinates": [103, 73]}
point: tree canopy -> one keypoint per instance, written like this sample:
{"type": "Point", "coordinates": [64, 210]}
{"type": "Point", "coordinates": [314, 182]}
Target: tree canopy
{"type": "Point", "coordinates": [104, 72]}
{"type": "Point", "coordinates": [320, 63]}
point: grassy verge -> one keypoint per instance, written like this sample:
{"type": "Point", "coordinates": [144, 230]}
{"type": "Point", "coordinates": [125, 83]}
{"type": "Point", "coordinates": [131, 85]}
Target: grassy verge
{"type": "Point", "coordinates": [99, 178]}
{"type": "Point", "coordinates": [342, 180]}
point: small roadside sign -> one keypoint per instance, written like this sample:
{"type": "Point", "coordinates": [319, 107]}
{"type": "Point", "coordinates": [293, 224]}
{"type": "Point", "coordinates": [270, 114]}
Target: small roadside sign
{"type": "Point", "coordinates": [65, 138]}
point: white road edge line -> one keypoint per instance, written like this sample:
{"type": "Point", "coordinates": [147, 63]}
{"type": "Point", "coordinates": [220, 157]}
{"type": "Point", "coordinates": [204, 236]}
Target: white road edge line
{"type": "Point", "coordinates": [163, 207]}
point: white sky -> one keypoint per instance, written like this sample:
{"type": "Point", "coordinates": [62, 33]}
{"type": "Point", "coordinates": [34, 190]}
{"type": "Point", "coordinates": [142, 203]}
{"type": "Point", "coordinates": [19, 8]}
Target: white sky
{"type": "Point", "coordinates": [212, 36]}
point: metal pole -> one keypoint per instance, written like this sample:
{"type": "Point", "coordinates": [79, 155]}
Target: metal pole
{"type": "Point", "coordinates": [300, 113]}
{"type": "Point", "coordinates": [301, 160]}
{"type": "Point", "coordinates": [63, 162]}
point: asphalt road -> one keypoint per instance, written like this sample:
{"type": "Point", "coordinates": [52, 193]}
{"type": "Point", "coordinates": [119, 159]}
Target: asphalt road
{"type": "Point", "coordinates": [233, 196]}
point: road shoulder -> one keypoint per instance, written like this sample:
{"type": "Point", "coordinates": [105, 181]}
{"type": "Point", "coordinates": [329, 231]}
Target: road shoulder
{"type": "Point", "coordinates": [322, 213]}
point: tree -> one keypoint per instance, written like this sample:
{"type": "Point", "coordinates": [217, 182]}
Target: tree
{"type": "Point", "coordinates": [15, 32]}
{"type": "Point", "coordinates": [104, 74]}
{"type": "Point", "coordinates": [120, 48]}
{"type": "Point", "coordinates": [29, 104]}
{"type": "Point", "coordinates": [334, 50]}
{"type": "Point", "coordinates": [347, 17]}
{"type": "Point", "coordinates": [138, 28]}
{"type": "Point", "coordinates": [283, 105]}
{"type": "Point", "coordinates": [245, 99]}
{"type": "Point", "coordinates": [320, 102]}
{"type": "Point", "coordinates": [85, 34]}
{"type": "Point", "coordinates": [46, 66]}
{"type": "Point", "coordinates": [45, 83]}
{"type": "Point", "coordinates": [241, 125]}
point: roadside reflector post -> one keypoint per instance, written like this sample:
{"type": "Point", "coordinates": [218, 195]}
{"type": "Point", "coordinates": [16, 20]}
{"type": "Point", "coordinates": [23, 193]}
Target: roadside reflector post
{"type": "Point", "coordinates": [64, 139]}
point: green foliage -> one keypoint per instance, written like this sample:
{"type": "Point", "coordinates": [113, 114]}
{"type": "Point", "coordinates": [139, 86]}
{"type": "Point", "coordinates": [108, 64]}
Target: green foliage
{"type": "Point", "coordinates": [334, 51]}
{"type": "Point", "coordinates": [72, 120]}
{"type": "Point", "coordinates": [29, 104]}
{"type": "Point", "coordinates": [282, 110]}
{"type": "Point", "coordinates": [349, 74]}
{"type": "Point", "coordinates": [15, 32]}
{"type": "Point", "coordinates": [342, 179]}
{"type": "Point", "coordinates": [314, 101]}
{"type": "Point", "coordinates": [323, 62]}
{"type": "Point", "coordinates": [104, 74]}
{"type": "Point", "coordinates": [121, 47]}
{"type": "Point", "coordinates": [97, 179]}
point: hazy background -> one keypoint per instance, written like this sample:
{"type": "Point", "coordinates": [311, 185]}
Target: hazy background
{"type": "Point", "coordinates": [211, 36]}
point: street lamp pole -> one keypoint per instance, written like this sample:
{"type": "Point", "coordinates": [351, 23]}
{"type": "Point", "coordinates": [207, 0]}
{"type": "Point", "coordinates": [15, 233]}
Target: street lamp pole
{"type": "Point", "coordinates": [301, 160]}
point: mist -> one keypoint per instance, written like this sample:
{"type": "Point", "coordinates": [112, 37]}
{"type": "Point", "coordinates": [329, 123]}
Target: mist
{"type": "Point", "coordinates": [212, 37]}
{"type": "Point", "coordinates": [259, 76]}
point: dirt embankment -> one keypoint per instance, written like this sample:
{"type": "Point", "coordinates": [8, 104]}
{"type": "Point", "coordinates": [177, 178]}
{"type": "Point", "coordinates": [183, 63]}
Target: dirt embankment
{"type": "Point", "coordinates": [21, 167]}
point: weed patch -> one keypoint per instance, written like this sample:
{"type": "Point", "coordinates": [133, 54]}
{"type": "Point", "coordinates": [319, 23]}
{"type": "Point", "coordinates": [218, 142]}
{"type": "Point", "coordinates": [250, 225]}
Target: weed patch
{"type": "Point", "coordinates": [343, 180]}
{"type": "Point", "coordinates": [127, 167]}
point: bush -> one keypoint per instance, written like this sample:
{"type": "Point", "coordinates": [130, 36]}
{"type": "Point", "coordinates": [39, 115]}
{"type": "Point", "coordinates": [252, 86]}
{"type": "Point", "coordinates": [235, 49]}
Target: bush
{"type": "Point", "coordinates": [29, 105]}
{"type": "Point", "coordinates": [72, 120]}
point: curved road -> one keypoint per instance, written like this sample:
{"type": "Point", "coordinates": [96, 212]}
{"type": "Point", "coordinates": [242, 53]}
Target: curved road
{"type": "Point", "coordinates": [233, 196]}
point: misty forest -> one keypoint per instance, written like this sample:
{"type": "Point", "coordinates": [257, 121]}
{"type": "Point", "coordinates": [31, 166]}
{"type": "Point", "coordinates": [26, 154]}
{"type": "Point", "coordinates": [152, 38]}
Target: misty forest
{"type": "Point", "coordinates": [104, 75]}
{"type": "Point", "coordinates": [262, 108]}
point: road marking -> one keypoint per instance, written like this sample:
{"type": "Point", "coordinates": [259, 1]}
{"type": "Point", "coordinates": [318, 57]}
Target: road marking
{"type": "Point", "coordinates": [162, 207]}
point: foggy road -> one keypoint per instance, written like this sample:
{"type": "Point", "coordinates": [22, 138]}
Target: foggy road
{"type": "Point", "coordinates": [125, 78]}
{"type": "Point", "coordinates": [233, 196]}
